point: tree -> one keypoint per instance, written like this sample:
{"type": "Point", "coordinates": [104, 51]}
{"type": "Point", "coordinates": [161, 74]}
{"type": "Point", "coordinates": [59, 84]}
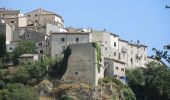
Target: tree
{"type": "Point", "coordinates": [3, 45]}
{"type": "Point", "coordinates": [18, 92]}
{"type": "Point", "coordinates": [23, 47]}
{"type": "Point", "coordinates": [152, 83]}
{"type": "Point", "coordinates": [164, 54]}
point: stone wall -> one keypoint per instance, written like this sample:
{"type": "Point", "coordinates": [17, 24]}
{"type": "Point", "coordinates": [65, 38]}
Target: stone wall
{"type": "Point", "coordinates": [60, 41]}
{"type": "Point", "coordinates": [82, 64]}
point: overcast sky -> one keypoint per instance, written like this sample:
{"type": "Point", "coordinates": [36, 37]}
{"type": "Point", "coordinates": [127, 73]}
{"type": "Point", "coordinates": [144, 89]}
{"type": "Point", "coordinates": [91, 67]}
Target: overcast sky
{"type": "Point", "coordinates": [144, 20]}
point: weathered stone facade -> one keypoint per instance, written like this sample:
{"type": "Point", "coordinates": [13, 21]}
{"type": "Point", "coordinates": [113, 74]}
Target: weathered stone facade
{"type": "Point", "coordinates": [82, 64]}
{"type": "Point", "coordinates": [39, 16]}
{"type": "Point", "coordinates": [7, 31]}
{"type": "Point", "coordinates": [60, 40]}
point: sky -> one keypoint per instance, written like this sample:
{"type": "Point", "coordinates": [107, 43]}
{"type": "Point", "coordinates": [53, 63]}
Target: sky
{"type": "Point", "coordinates": [145, 20]}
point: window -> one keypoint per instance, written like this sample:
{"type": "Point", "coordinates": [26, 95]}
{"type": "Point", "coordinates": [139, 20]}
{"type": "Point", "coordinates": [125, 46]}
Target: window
{"type": "Point", "coordinates": [114, 53]}
{"type": "Point", "coordinates": [36, 15]}
{"type": "Point", "coordinates": [114, 44]}
{"type": "Point", "coordinates": [28, 35]}
{"type": "Point", "coordinates": [77, 39]}
{"type": "Point", "coordinates": [12, 21]}
{"type": "Point", "coordinates": [122, 69]}
{"type": "Point", "coordinates": [41, 51]}
{"type": "Point", "coordinates": [40, 44]}
{"type": "Point", "coordinates": [119, 56]}
{"type": "Point", "coordinates": [62, 39]}
{"type": "Point", "coordinates": [36, 21]}
{"type": "Point", "coordinates": [28, 15]}
{"type": "Point", "coordinates": [76, 73]}
{"type": "Point", "coordinates": [131, 61]}
{"type": "Point", "coordinates": [117, 68]}
{"type": "Point", "coordinates": [10, 48]}
{"type": "Point", "coordinates": [105, 48]}
{"type": "Point", "coordinates": [144, 49]}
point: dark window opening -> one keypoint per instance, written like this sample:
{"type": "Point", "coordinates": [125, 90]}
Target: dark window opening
{"type": "Point", "coordinates": [122, 69]}
{"type": "Point", "coordinates": [77, 39]}
{"type": "Point", "coordinates": [76, 73]}
{"type": "Point", "coordinates": [62, 39]}
{"type": "Point", "coordinates": [41, 51]}
{"type": "Point", "coordinates": [12, 21]}
{"type": "Point", "coordinates": [131, 61]}
{"type": "Point", "coordinates": [36, 15]}
{"type": "Point", "coordinates": [36, 21]}
{"type": "Point", "coordinates": [10, 48]}
{"type": "Point", "coordinates": [114, 44]}
{"type": "Point", "coordinates": [28, 15]}
{"type": "Point", "coordinates": [117, 68]}
{"type": "Point", "coordinates": [28, 35]}
{"type": "Point", "coordinates": [40, 44]}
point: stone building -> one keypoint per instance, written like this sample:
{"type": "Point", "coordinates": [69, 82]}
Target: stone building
{"type": "Point", "coordinates": [10, 16]}
{"type": "Point", "coordinates": [39, 17]}
{"type": "Point", "coordinates": [60, 40]}
{"type": "Point", "coordinates": [28, 58]}
{"type": "Point", "coordinates": [82, 64]}
{"type": "Point", "coordinates": [7, 31]}
{"type": "Point", "coordinates": [137, 55]}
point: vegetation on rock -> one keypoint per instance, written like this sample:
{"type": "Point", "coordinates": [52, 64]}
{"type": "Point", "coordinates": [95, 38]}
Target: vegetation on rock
{"type": "Point", "coordinates": [98, 56]}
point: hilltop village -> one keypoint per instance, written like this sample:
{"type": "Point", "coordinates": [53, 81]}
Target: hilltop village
{"type": "Point", "coordinates": [91, 54]}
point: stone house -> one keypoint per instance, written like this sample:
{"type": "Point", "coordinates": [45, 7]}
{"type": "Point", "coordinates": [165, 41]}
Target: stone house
{"type": "Point", "coordinates": [10, 16]}
{"type": "Point", "coordinates": [28, 58]}
{"type": "Point", "coordinates": [60, 40]}
{"type": "Point", "coordinates": [39, 16]}
{"type": "Point", "coordinates": [137, 55]}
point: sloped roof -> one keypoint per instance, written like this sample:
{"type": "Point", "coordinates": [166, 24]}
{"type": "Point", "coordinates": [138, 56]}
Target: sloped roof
{"type": "Point", "coordinates": [44, 12]}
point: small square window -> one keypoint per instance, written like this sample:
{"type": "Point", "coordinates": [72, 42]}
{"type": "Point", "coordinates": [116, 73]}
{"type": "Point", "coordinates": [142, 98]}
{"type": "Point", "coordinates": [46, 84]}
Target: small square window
{"type": "Point", "coordinates": [10, 48]}
{"type": "Point", "coordinates": [28, 35]}
{"type": "Point", "coordinates": [36, 15]}
{"type": "Point", "coordinates": [36, 21]}
{"type": "Point", "coordinates": [122, 69]}
{"type": "Point", "coordinates": [62, 39]}
{"type": "Point", "coordinates": [41, 51]}
{"type": "Point", "coordinates": [117, 68]}
{"type": "Point", "coordinates": [12, 21]}
{"type": "Point", "coordinates": [28, 15]}
{"type": "Point", "coordinates": [40, 44]}
{"type": "Point", "coordinates": [77, 39]}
